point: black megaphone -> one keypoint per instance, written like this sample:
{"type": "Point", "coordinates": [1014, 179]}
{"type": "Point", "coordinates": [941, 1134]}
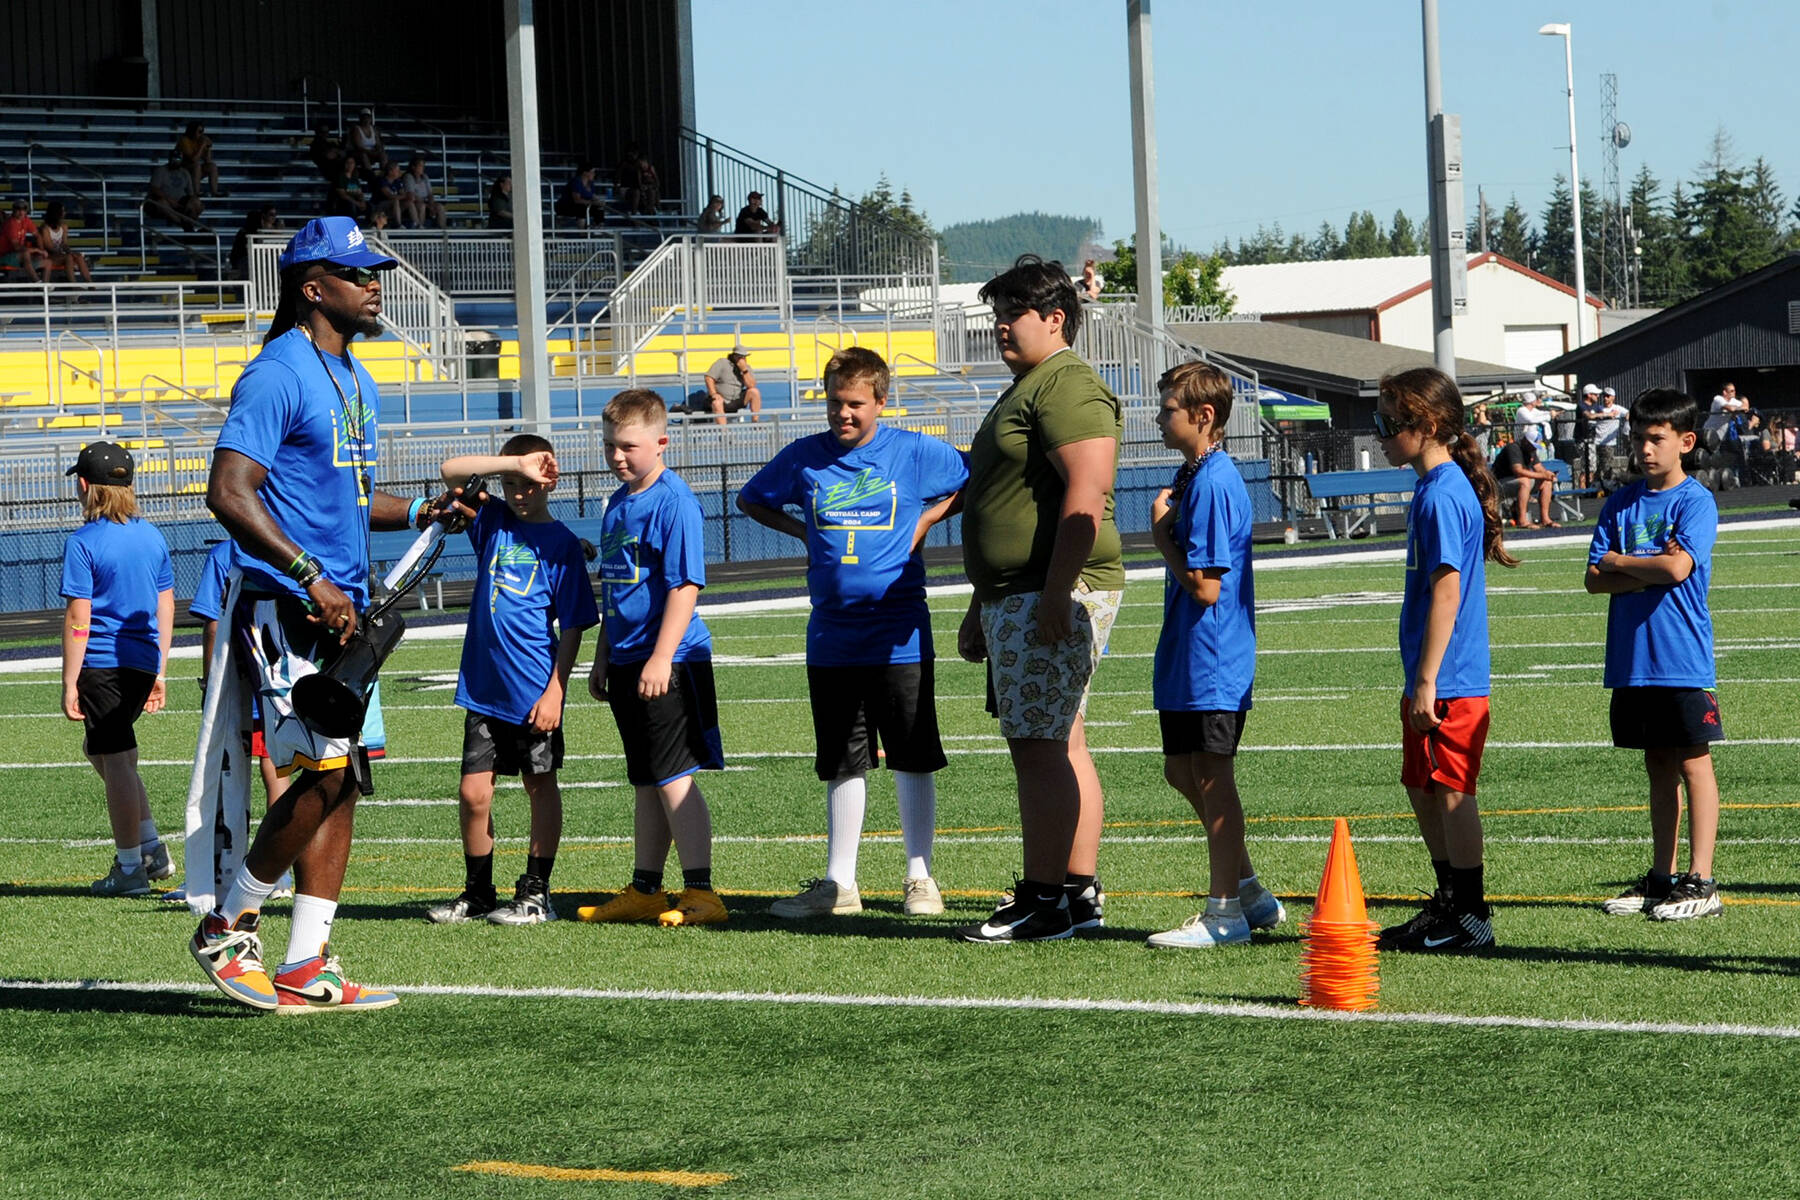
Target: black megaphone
{"type": "Point", "coordinates": [333, 702]}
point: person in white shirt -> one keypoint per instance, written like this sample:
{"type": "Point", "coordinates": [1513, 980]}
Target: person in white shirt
{"type": "Point", "coordinates": [1726, 405]}
{"type": "Point", "coordinates": [1609, 424]}
{"type": "Point", "coordinates": [1534, 420]}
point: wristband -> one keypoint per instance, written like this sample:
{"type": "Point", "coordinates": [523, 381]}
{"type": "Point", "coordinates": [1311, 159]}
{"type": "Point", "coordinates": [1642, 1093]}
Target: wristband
{"type": "Point", "coordinates": [304, 570]}
{"type": "Point", "coordinates": [412, 511]}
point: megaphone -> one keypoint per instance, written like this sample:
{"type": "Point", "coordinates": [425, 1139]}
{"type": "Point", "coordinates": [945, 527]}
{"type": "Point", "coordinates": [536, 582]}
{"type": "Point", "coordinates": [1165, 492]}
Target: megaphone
{"type": "Point", "coordinates": [333, 702]}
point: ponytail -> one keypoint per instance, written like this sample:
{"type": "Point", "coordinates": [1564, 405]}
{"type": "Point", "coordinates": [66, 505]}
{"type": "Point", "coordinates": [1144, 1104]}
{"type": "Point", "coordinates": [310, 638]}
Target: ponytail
{"type": "Point", "coordinates": [1466, 452]}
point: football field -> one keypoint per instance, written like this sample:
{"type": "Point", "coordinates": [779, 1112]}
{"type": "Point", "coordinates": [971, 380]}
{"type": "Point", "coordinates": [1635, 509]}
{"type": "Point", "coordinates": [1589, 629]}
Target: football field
{"type": "Point", "coordinates": [872, 1055]}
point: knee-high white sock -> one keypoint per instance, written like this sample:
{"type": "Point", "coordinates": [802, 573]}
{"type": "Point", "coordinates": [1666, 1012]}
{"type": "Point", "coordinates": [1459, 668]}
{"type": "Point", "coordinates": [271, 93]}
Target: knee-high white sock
{"type": "Point", "coordinates": [846, 798]}
{"type": "Point", "coordinates": [918, 818]}
{"type": "Point", "coordinates": [311, 927]}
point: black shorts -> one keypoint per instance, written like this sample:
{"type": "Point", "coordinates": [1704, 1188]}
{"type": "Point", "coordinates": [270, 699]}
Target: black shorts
{"type": "Point", "coordinates": [1208, 732]}
{"type": "Point", "coordinates": [854, 707]}
{"type": "Point", "coordinates": [673, 735]}
{"type": "Point", "coordinates": [1664, 718]}
{"type": "Point", "coordinates": [112, 699]}
{"type": "Point", "coordinates": [505, 748]}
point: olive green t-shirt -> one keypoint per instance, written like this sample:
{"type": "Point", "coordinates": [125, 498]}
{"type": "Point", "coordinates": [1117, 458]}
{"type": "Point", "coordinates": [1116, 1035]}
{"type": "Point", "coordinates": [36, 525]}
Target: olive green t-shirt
{"type": "Point", "coordinates": [1014, 497]}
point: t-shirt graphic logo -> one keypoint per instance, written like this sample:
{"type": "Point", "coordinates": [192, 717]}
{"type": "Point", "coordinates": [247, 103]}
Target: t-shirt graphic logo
{"type": "Point", "coordinates": [350, 446]}
{"type": "Point", "coordinates": [1649, 535]}
{"type": "Point", "coordinates": [618, 557]}
{"type": "Point", "coordinates": [863, 503]}
{"type": "Point", "coordinates": [513, 569]}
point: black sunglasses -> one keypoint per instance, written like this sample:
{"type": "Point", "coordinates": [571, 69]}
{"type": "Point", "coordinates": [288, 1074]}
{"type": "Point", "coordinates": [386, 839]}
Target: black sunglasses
{"type": "Point", "coordinates": [360, 276]}
{"type": "Point", "coordinates": [1386, 427]}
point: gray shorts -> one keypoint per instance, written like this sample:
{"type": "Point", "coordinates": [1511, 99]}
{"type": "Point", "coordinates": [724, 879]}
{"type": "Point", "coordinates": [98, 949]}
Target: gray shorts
{"type": "Point", "coordinates": [1037, 689]}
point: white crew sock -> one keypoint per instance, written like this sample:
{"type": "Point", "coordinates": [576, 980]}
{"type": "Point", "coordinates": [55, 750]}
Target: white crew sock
{"type": "Point", "coordinates": [311, 928]}
{"type": "Point", "coordinates": [130, 861]}
{"type": "Point", "coordinates": [147, 835]}
{"type": "Point", "coordinates": [246, 894]}
{"type": "Point", "coordinates": [846, 799]}
{"type": "Point", "coordinates": [917, 792]}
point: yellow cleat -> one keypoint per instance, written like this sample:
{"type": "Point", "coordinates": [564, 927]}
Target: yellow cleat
{"type": "Point", "coordinates": [695, 906]}
{"type": "Point", "coordinates": [629, 905]}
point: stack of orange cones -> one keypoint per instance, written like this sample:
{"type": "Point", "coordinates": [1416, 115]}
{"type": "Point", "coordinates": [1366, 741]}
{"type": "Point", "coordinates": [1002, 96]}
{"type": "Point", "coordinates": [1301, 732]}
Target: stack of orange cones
{"type": "Point", "coordinates": [1337, 966]}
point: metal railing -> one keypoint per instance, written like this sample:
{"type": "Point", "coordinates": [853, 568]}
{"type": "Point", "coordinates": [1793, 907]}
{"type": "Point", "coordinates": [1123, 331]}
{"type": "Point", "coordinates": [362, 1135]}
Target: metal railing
{"type": "Point", "coordinates": [478, 263]}
{"type": "Point", "coordinates": [187, 244]}
{"type": "Point", "coordinates": [689, 276]}
{"type": "Point", "coordinates": [33, 174]}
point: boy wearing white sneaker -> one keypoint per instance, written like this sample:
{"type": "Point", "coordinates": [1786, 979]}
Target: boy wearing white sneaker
{"type": "Point", "coordinates": [1206, 656]}
{"type": "Point", "coordinates": [868, 494]}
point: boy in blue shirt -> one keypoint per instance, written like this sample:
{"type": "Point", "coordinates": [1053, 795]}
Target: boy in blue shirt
{"type": "Point", "coordinates": [653, 664]}
{"type": "Point", "coordinates": [531, 604]}
{"type": "Point", "coordinates": [1206, 656]}
{"type": "Point", "coordinates": [869, 494]}
{"type": "Point", "coordinates": [1652, 553]}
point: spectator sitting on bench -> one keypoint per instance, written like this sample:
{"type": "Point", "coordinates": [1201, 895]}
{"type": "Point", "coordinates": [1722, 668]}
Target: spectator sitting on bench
{"type": "Point", "coordinates": [579, 201]}
{"type": "Point", "coordinates": [257, 220]}
{"type": "Point", "coordinates": [499, 203]}
{"type": "Point", "coordinates": [365, 144]}
{"type": "Point", "coordinates": [194, 148]}
{"type": "Point", "coordinates": [326, 151]}
{"type": "Point", "coordinates": [171, 195]}
{"type": "Point", "coordinates": [415, 189]}
{"type": "Point", "coordinates": [344, 195]}
{"type": "Point", "coordinates": [712, 217]}
{"type": "Point", "coordinates": [18, 243]}
{"type": "Point", "coordinates": [730, 387]}
{"type": "Point", "coordinates": [1518, 462]}
{"type": "Point", "coordinates": [388, 195]}
{"type": "Point", "coordinates": [53, 244]}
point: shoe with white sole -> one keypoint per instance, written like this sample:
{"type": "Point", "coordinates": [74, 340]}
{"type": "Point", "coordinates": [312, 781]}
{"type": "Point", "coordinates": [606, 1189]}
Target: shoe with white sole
{"type": "Point", "coordinates": [922, 896]}
{"type": "Point", "coordinates": [819, 898]}
{"type": "Point", "coordinates": [1202, 931]}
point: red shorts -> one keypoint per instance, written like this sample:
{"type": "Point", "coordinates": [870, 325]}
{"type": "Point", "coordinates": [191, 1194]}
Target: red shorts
{"type": "Point", "coordinates": [1449, 755]}
{"type": "Point", "coordinates": [257, 749]}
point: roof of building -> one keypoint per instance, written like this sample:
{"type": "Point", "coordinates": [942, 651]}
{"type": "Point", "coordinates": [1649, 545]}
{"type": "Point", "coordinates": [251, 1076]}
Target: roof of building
{"type": "Point", "coordinates": [1349, 284]}
{"type": "Point", "coordinates": [1331, 360]}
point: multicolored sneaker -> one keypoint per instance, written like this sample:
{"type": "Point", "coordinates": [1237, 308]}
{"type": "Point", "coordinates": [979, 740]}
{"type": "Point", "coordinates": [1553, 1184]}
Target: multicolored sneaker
{"type": "Point", "coordinates": [1635, 901]}
{"type": "Point", "coordinates": [694, 906]}
{"type": "Point", "coordinates": [231, 956]}
{"type": "Point", "coordinates": [317, 984]}
{"type": "Point", "coordinates": [470, 906]}
{"type": "Point", "coordinates": [629, 905]}
{"type": "Point", "coordinates": [530, 904]}
{"type": "Point", "coordinates": [156, 860]}
{"type": "Point", "coordinates": [119, 882]}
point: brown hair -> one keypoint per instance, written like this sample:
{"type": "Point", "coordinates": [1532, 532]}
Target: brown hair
{"type": "Point", "coordinates": [855, 364]}
{"type": "Point", "coordinates": [1426, 399]}
{"type": "Point", "coordinates": [636, 406]}
{"type": "Point", "coordinates": [1194, 384]}
{"type": "Point", "coordinates": [108, 502]}
{"type": "Point", "coordinates": [526, 443]}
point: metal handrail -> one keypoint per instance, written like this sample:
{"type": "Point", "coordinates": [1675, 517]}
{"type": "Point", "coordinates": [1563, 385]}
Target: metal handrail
{"type": "Point", "coordinates": [145, 402]}
{"type": "Point", "coordinates": [146, 232]}
{"type": "Point", "coordinates": [31, 174]}
{"type": "Point", "coordinates": [912, 381]}
{"type": "Point", "coordinates": [56, 363]}
{"type": "Point", "coordinates": [305, 82]}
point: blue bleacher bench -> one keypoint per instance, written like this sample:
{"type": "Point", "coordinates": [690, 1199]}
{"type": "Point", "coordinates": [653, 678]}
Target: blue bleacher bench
{"type": "Point", "coordinates": [1359, 493]}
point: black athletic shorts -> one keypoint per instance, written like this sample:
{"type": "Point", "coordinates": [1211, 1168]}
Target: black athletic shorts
{"type": "Point", "coordinates": [112, 699]}
{"type": "Point", "coordinates": [673, 735]}
{"type": "Point", "coordinates": [1664, 718]}
{"type": "Point", "coordinates": [505, 748]}
{"type": "Point", "coordinates": [854, 707]}
{"type": "Point", "coordinates": [1208, 732]}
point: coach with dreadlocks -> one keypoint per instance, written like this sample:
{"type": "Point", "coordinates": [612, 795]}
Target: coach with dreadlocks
{"type": "Point", "coordinates": [292, 482]}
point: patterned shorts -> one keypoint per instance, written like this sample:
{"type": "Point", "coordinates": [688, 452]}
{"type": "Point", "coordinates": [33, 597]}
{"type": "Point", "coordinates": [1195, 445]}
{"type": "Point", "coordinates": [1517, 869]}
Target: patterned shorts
{"type": "Point", "coordinates": [1038, 690]}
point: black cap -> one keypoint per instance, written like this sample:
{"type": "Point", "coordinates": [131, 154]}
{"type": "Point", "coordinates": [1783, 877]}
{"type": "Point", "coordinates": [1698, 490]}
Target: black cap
{"type": "Point", "coordinates": [104, 462]}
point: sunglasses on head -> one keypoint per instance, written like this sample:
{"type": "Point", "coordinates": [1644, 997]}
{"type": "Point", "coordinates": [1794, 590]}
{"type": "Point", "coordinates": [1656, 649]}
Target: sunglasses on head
{"type": "Point", "coordinates": [1387, 427]}
{"type": "Point", "coordinates": [360, 276]}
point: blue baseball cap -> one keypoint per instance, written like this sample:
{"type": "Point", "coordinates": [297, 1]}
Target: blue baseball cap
{"type": "Point", "coordinates": [332, 239]}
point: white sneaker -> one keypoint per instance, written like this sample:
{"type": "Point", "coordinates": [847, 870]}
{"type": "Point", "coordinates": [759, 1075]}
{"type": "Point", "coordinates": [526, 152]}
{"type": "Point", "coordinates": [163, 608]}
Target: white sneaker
{"type": "Point", "coordinates": [1203, 930]}
{"type": "Point", "coordinates": [819, 898]}
{"type": "Point", "coordinates": [922, 896]}
{"type": "Point", "coordinates": [1264, 910]}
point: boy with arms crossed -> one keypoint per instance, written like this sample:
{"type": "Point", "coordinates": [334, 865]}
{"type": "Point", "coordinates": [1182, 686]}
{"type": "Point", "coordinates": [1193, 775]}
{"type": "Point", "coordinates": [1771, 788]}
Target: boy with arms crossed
{"type": "Point", "coordinates": [653, 664]}
{"type": "Point", "coordinates": [1652, 553]}
{"type": "Point", "coordinates": [531, 604]}
{"type": "Point", "coordinates": [869, 495]}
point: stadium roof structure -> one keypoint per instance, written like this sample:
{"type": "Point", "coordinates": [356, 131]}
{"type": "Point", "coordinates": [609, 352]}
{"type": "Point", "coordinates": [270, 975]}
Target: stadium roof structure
{"type": "Point", "coordinates": [1349, 284]}
{"type": "Point", "coordinates": [1288, 356]}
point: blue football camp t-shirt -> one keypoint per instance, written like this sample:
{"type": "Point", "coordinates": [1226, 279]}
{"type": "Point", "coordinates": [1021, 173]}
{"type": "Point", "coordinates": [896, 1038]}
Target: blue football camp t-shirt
{"type": "Point", "coordinates": [209, 596]}
{"type": "Point", "coordinates": [1444, 528]}
{"type": "Point", "coordinates": [319, 448]}
{"type": "Point", "coordinates": [1661, 636]}
{"type": "Point", "coordinates": [531, 586]}
{"type": "Point", "coordinates": [121, 568]}
{"type": "Point", "coordinates": [651, 542]}
{"type": "Point", "coordinates": [1206, 655]}
{"type": "Point", "coordinates": [861, 507]}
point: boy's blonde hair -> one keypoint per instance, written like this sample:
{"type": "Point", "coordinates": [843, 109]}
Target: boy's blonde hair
{"type": "Point", "coordinates": [636, 406]}
{"type": "Point", "coordinates": [1195, 384]}
{"type": "Point", "coordinates": [108, 502]}
{"type": "Point", "coordinates": [858, 364]}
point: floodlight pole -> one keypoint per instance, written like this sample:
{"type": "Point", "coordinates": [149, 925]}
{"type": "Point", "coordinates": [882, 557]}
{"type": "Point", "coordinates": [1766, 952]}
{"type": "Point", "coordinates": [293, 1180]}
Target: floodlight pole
{"type": "Point", "coordinates": [528, 215]}
{"type": "Point", "coordinates": [1443, 335]}
{"type": "Point", "coordinates": [1143, 164]}
{"type": "Point", "coordinates": [1562, 30]}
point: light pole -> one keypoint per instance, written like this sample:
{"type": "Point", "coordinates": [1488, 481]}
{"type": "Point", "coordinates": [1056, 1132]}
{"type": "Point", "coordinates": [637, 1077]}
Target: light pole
{"type": "Point", "coordinates": [1561, 30]}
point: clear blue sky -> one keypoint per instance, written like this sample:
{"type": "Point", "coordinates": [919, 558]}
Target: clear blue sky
{"type": "Point", "coordinates": [1294, 111]}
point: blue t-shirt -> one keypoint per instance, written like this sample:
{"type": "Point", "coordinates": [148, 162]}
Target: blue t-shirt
{"type": "Point", "coordinates": [1661, 636]}
{"type": "Point", "coordinates": [209, 596]}
{"type": "Point", "coordinates": [1206, 656]}
{"type": "Point", "coordinates": [1444, 528]}
{"type": "Point", "coordinates": [121, 568]}
{"type": "Point", "coordinates": [651, 542]}
{"type": "Point", "coordinates": [531, 586]}
{"type": "Point", "coordinates": [319, 449]}
{"type": "Point", "coordinates": [861, 507]}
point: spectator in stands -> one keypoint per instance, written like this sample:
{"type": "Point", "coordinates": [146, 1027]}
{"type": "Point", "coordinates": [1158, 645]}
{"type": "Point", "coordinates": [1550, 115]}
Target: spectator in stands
{"type": "Point", "coordinates": [388, 197]}
{"type": "Point", "coordinates": [712, 217]}
{"type": "Point", "coordinates": [649, 189]}
{"type": "Point", "coordinates": [53, 243]}
{"type": "Point", "coordinates": [18, 242]}
{"type": "Point", "coordinates": [1518, 462]}
{"type": "Point", "coordinates": [1089, 287]}
{"type": "Point", "coordinates": [195, 150]}
{"type": "Point", "coordinates": [1726, 405]}
{"type": "Point", "coordinates": [1534, 420]}
{"type": "Point", "coordinates": [171, 195]}
{"type": "Point", "coordinates": [257, 220]}
{"type": "Point", "coordinates": [579, 202]}
{"type": "Point", "coordinates": [625, 179]}
{"type": "Point", "coordinates": [1586, 453]}
{"type": "Point", "coordinates": [364, 144]}
{"type": "Point", "coordinates": [344, 195]}
{"type": "Point", "coordinates": [1481, 427]}
{"type": "Point", "coordinates": [754, 218]}
{"type": "Point", "coordinates": [327, 151]}
{"type": "Point", "coordinates": [417, 190]}
{"type": "Point", "coordinates": [1608, 427]}
{"type": "Point", "coordinates": [730, 387]}
{"type": "Point", "coordinates": [499, 203]}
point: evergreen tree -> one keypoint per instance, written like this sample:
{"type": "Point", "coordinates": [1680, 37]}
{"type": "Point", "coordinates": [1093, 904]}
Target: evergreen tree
{"type": "Point", "coordinates": [1403, 239]}
{"type": "Point", "coordinates": [1187, 277]}
{"type": "Point", "coordinates": [1325, 244]}
{"type": "Point", "coordinates": [1363, 237]}
{"type": "Point", "coordinates": [1723, 238]}
{"type": "Point", "coordinates": [1766, 202]}
{"type": "Point", "coordinates": [1514, 238]}
{"type": "Point", "coordinates": [1556, 241]}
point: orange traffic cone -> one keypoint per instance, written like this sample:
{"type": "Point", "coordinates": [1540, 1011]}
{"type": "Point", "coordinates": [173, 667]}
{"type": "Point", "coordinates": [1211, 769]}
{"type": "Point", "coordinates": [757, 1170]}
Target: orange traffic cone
{"type": "Point", "coordinates": [1337, 965]}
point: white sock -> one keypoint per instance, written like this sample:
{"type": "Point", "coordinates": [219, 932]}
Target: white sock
{"type": "Point", "coordinates": [918, 819]}
{"type": "Point", "coordinates": [130, 861]}
{"type": "Point", "coordinates": [311, 928]}
{"type": "Point", "coordinates": [846, 799]}
{"type": "Point", "coordinates": [1218, 907]}
{"type": "Point", "coordinates": [246, 894]}
{"type": "Point", "coordinates": [147, 835]}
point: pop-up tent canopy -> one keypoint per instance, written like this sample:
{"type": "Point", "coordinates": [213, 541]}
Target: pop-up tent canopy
{"type": "Point", "coordinates": [1278, 405]}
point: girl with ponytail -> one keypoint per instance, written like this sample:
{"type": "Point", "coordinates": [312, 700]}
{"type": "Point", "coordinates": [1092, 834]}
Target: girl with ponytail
{"type": "Point", "coordinates": [1452, 529]}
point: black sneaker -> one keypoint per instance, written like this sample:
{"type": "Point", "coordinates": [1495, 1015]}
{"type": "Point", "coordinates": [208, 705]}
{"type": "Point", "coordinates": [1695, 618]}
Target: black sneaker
{"type": "Point", "coordinates": [530, 904]}
{"type": "Point", "coordinates": [1437, 907]}
{"type": "Point", "coordinates": [470, 906]}
{"type": "Point", "coordinates": [1636, 900]}
{"type": "Point", "coordinates": [1018, 921]}
{"type": "Point", "coordinates": [1087, 907]}
{"type": "Point", "coordinates": [1450, 933]}
{"type": "Point", "coordinates": [1691, 897]}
